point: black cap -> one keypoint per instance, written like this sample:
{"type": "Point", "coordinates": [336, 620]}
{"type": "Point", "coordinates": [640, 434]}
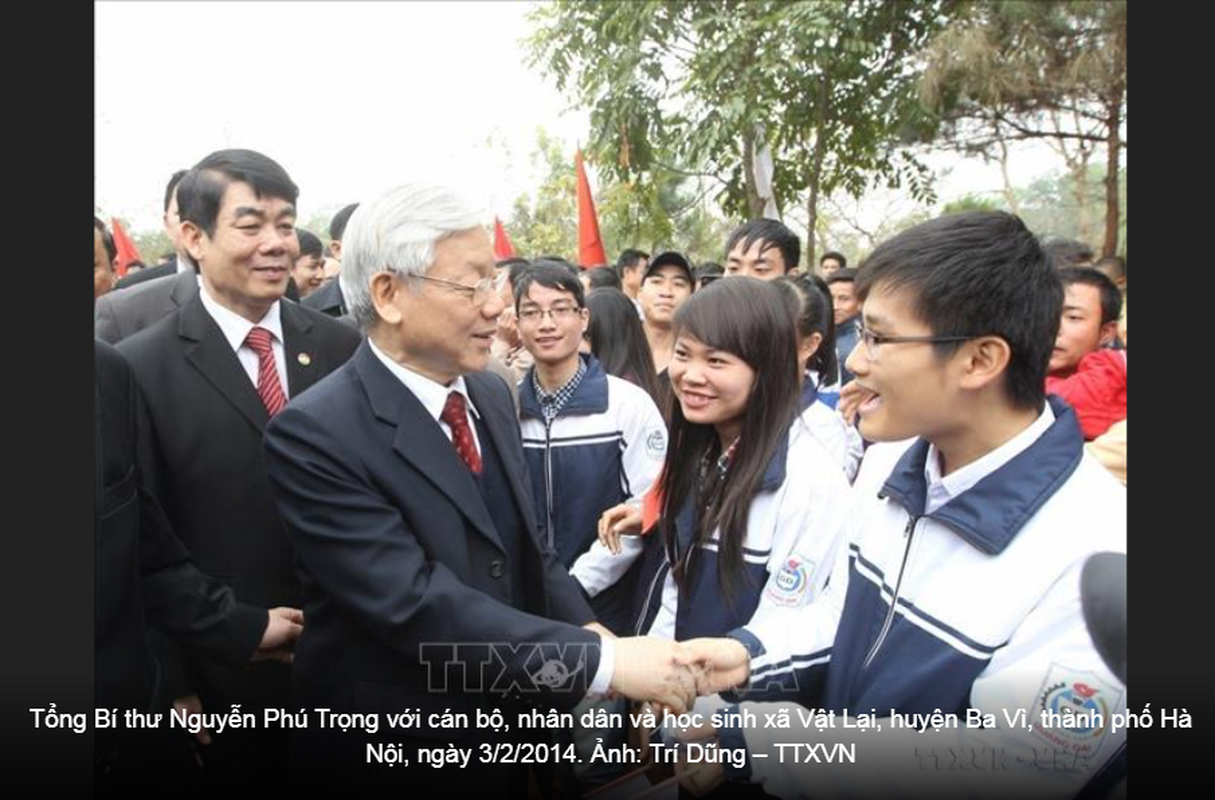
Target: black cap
{"type": "Point", "coordinates": [668, 258]}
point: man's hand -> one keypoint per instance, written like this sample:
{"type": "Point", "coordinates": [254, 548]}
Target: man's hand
{"type": "Point", "coordinates": [192, 704]}
{"type": "Point", "coordinates": [282, 629]}
{"type": "Point", "coordinates": [701, 778]}
{"type": "Point", "coordinates": [718, 664]}
{"type": "Point", "coordinates": [599, 629]}
{"type": "Point", "coordinates": [621, 520]}
{"type": "Point", "coordinates": [852, 397]}
{"type": "Point", "coordinates": [508, 330]}
{"type": "Point", "coordinates": [645, 670]}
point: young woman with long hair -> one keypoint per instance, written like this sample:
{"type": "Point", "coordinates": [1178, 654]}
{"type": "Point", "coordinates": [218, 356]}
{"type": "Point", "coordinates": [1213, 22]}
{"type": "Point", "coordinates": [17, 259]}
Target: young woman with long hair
{"type": "Point", "coordinates": [809, 301]}
{"type": "Point", "coordinates": [751, 503]}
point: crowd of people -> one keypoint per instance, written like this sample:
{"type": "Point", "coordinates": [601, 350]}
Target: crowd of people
{"type": "Point", "coordinates": [393, 474]}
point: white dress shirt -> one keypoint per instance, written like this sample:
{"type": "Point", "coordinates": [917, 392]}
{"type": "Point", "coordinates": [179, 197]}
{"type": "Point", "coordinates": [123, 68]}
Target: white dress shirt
{"type": "Point", "coordinates": [236, 329]}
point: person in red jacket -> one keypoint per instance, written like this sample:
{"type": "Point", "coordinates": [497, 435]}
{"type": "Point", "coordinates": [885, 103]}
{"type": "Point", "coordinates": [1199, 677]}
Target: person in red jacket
{"type": "Point", "coordinates": [1084, 371]}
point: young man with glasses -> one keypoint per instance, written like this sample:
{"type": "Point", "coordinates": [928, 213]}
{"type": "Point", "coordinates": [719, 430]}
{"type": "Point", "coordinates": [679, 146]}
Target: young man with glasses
{"type": "Point", "coordinates": [592, 440]}
{"type": "Point", "coordinates": [958, 592]}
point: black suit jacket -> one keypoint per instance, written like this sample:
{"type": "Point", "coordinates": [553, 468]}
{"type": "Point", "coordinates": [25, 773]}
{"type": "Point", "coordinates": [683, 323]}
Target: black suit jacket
{"type": "Point", "coordinates": [142, 573]}
{"type": "Point", "coordinates": [200, 448]}
{"type": "Point", "coordinates": [148, 274]}
{"type": "Point", "coordinates": [403, 573]}
{"type": "Point", "coordinates": [117, 315]}
{"type": "Point", "coordinates": [327, 299]}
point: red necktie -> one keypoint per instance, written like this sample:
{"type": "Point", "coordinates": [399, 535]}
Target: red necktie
{"type": "Point", "coordinates": [269, 389]}
{"type": "Point", "coordinates": [461, 433]}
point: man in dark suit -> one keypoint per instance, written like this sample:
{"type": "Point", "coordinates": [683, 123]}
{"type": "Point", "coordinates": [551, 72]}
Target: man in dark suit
{"type": "Point", "coordinates": [211, 374]}
{"type": "Point", "coordinates": [144, 577]}
{"type": "Point", "coordinates": [427, 582]}
{"type": "Point", "coordinates": [120, 314]}
{"type": "Point", "coordinates": [172, 223]}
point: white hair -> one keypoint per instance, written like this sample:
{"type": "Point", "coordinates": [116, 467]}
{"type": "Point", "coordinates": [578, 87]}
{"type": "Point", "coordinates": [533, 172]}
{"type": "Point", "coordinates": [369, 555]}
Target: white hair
{"type": "Point", "coordinates": [397, 232]}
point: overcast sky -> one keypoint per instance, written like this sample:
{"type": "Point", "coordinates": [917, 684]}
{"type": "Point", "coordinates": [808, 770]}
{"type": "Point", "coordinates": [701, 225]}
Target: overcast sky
{"type": "Point", "coordinates": [348, 97]}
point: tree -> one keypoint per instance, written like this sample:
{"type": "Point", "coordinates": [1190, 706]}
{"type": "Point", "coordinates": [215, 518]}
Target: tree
{"type": "Point", "coordinates": [547, 222]}
{"type": "Point", "coordinates": [151, 245]}
{"type": "Point", "coordinates": [1053, 71]}
{"type": "Point", "coordinates": [825, 85]}
{"type": "Point", "coordinates": [667, 213]}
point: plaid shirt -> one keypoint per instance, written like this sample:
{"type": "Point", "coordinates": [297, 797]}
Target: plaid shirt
{"type": "Point", "coordinates": [552, 403]}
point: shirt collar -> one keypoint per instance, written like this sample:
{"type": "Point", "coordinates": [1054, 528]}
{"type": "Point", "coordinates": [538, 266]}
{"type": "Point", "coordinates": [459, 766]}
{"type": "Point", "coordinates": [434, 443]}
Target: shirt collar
{"type": "Point", "coordinates": [234, 327]}
{"type": "Point", "coordinates": [943, 489]}
{"type": "Point", "coordinates": [559, 396]}
{"type": "Point", "coordinates": [430, 393]}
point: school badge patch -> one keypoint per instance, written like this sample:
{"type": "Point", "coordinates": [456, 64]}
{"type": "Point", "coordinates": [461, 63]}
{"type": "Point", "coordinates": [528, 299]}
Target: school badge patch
{"type": "Point", "coordinates": [656, 444]}
{"type": "Point", "coordinates": [1072, 711]}
{"type": "Point", "coordinates": [791, 586]}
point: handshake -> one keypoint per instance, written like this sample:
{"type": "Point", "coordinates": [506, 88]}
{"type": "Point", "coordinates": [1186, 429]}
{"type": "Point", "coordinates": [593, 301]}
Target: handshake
{"type": "Point", "coordinates": [673, 674]}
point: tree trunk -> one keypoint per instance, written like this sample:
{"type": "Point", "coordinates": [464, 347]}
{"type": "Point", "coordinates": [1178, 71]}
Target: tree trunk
{"type": "Point", "coordinates": [755, 206]}
{"type": "Point", "coordinates": [1112, 210]}
{"type": "Point", "coordinates": [1113, 148]}
{"type": "Point", "coordinates": [1084, 215]}
{"type": "Point", "coordinates": [816, 172]}
{"type": "Point", "coordinates": [1010, 194]}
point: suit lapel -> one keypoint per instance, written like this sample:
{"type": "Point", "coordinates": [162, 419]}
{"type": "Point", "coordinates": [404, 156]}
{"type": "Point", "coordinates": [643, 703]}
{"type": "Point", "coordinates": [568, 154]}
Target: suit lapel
{"type": "Point", "coordinates": [301, 348]}
{"type": "Point", "coordinates": [503, 428]}
{"type": "Point", "coordinates": [185, 287]}
{"type": "Point", "coordinates": [421, 442]}
{"type": "Point", "coordinates": [209, 352]}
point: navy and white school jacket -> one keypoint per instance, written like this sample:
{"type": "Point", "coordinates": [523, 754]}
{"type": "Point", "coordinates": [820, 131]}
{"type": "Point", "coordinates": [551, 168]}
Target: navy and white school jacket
{"type": "Point", "coordinates": [794, 527]}
{"type": "Point", "coordinates": [974, 607]}
{"type": "Point", "coordinates": [606, 447]}
{"type": "Point", "coordinates": [837, 437]}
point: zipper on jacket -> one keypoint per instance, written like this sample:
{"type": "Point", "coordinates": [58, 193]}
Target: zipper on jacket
{"type": "Point", "coordinates": [548, 484]}
{"type": "Point", "coordinates": [881, 637]}
{"type": "Point", "coordinates": [645, 607]}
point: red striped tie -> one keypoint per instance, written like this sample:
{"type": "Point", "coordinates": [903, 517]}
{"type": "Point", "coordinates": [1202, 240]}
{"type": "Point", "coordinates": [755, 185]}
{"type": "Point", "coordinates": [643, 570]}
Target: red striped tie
{"type": "Point", "coordinates": [461, 433]}
{"type": "Point", "coordinates": [269, 389]}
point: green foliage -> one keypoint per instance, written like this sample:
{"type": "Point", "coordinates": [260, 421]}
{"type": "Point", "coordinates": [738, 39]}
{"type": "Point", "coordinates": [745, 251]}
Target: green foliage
{"type": "Point", "coordinates": [972, 202]}
{"type": "Point", "coordinates": [151, 245]}
{"type": "Point", "coordinates": [1050, 70]}
{"type": "Point", "coordinates": [668, 212]}
{"type": "Point", "coordinates": [827, 84]}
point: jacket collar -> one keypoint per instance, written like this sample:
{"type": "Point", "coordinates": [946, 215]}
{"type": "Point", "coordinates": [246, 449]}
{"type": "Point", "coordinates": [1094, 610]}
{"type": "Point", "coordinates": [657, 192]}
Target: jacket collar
{"type": "Point", "coordinates": [991, 513]}
{"type": "Point", "coordinates": [591, 396]}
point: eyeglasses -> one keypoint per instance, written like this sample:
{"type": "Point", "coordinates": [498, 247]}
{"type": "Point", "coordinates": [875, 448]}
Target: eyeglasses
{"type": "Point", "coordinates": [477, 294]}
{"type": "Point", "coordinates": [874, 341]}
{"type": "Point", "coordinates": [556, 314]}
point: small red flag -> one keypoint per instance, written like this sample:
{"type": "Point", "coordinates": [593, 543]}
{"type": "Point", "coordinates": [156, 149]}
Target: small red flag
{"type": "Point", "coordinates": [590, 245]}
{"type": "Point", "coordinates": [127, 252]}
{"type": "Point", "coordinates": [651, 505]}
{"type": "Point", "coordinates": [502, 246]}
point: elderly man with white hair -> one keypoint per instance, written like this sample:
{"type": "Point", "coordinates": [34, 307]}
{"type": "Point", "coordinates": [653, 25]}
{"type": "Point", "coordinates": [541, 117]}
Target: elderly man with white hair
{"type": "Point", "coordinates": [428, 587]}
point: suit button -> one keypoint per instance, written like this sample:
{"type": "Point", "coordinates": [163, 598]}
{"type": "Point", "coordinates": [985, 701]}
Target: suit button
{"type": "Point", "coordinates": [497, 569]}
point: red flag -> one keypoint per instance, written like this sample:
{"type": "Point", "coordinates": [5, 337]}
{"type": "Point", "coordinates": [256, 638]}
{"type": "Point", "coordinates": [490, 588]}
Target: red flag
{"type": "Point", "coordinates": [502, 246]}
{"type": "Point", "coordinates": [127, 252]}
{"type": "Point", "coordinates": [590, 245]}
{"type": "Point", "coordinates": [651, 504]}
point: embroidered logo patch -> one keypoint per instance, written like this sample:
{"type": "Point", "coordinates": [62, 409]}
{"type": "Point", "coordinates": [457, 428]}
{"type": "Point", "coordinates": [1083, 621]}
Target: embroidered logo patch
{"type": "Point", "coordinates": [792, 584]}
{"type": "Point", "coordinates": [1072, 710]}
{"type": "Point", "coordinates": [656, 444]}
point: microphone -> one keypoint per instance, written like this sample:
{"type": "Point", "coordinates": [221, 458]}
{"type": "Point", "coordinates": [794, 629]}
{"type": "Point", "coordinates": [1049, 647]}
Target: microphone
{"type": "Point", "coordinates": [1103, 602]}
